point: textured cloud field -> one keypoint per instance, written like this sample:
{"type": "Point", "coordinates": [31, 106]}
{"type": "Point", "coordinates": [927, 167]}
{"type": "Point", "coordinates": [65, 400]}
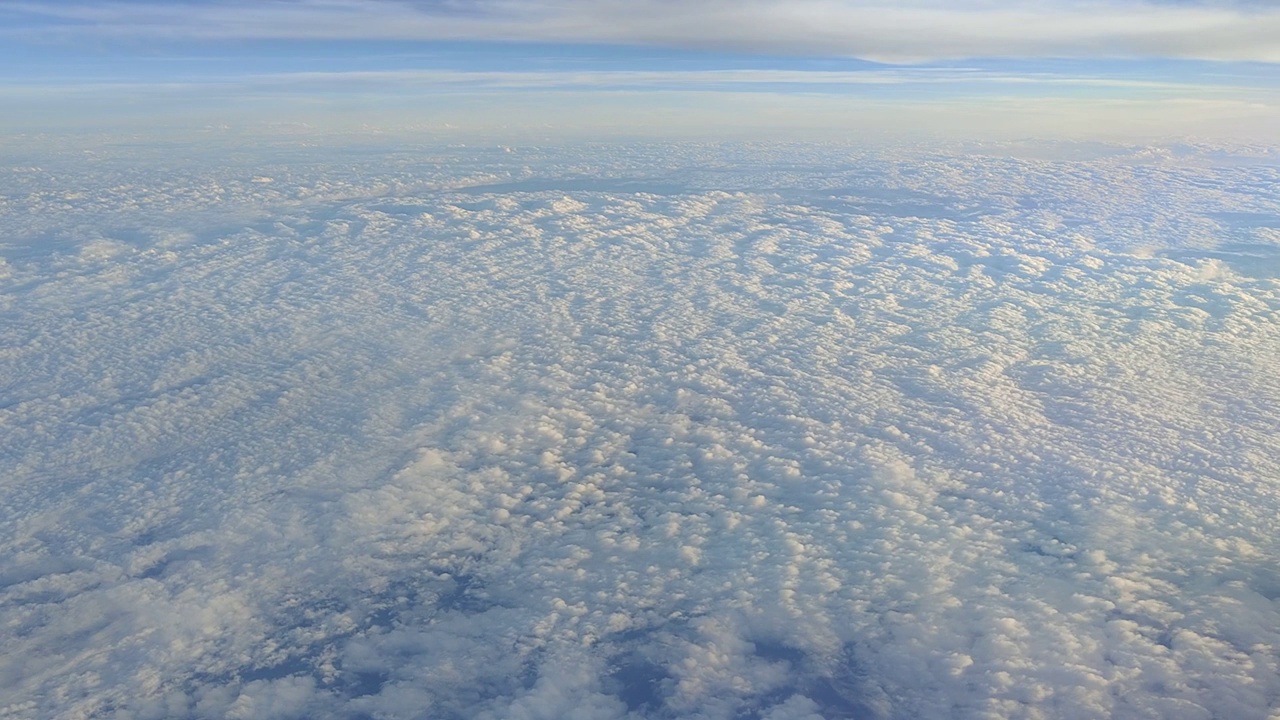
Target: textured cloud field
{"type": "Point", "coordinates": [771, 432]}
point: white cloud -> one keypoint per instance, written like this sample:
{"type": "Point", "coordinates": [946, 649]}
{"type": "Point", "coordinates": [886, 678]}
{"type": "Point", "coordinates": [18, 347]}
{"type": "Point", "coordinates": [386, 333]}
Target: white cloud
{"type": "Point", "coordinates": [895, 32]}
{"type": "Point", "coordinates": [791, 431]}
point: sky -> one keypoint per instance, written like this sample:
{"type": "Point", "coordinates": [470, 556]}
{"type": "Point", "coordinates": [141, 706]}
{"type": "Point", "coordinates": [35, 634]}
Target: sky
{"type": "Point", "coordinates": [970, 68]}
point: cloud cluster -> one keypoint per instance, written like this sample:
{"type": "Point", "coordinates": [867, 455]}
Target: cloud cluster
{"type": "Point", "coordinates": [894, 32]}
{"type": "Point", "coordinates": [677, 431]}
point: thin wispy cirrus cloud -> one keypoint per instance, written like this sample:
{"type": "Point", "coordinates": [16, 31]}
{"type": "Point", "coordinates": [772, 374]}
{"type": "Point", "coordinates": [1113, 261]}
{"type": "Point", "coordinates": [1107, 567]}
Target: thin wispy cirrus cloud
{"type": "Point", "coordinates": [1170, 69]}
{"type": "Point", "coordinates": [889, 32]}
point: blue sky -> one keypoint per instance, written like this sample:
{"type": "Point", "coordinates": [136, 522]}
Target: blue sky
{"type": "Point", "coordinates": [966, 68]}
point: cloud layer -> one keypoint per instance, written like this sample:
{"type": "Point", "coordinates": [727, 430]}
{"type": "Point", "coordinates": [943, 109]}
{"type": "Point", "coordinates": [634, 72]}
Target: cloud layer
{"type": "Point", "coordinates": [675, 431]}
{"type": "Point", "coordinates": [893, 32]}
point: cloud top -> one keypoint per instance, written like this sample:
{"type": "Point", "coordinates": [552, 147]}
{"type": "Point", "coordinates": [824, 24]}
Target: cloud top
{"type": "Point", "coordinates": [912, 31]}
{"type": "Point", "coordinates": [677, 430]}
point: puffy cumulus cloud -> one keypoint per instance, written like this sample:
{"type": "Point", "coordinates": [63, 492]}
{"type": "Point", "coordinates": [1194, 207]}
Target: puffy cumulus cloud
{"type": "Point", "coordinates": [684, 430]}
{"type": "Point", "coordinates": [900, 31]}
